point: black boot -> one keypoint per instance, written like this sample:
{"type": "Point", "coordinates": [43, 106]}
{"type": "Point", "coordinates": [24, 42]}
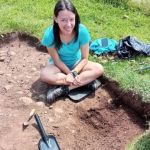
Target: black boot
{"type": "Point", "coordinates": [94, 85]}
{"type": "Point", "coordinates": [56, 92]}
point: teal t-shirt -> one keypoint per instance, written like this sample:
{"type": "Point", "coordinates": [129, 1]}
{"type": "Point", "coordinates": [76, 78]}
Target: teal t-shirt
{"type": "Point", "coordinates": [68, 53]}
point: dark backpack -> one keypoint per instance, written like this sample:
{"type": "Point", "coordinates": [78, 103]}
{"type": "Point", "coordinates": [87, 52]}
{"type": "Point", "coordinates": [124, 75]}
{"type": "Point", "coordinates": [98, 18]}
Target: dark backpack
{"type": "Point", "coordinates": [130, 46]}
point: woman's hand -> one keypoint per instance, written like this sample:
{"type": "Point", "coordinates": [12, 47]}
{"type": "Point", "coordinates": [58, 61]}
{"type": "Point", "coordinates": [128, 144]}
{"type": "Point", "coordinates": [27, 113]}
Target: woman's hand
{"type": "Point", "coordinates": [77, 80]}
{"type": "Point", "coordinates": [73, 80]}
{"type": "Point", "coordinates": [69, 78]}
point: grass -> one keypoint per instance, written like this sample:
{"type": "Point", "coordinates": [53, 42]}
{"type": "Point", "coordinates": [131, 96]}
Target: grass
{"type": "Point", "coordinates": [140, 143]}
{"type": "Point", "coordinates": [130, 76]}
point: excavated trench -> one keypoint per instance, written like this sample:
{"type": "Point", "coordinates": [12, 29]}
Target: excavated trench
{"type": "Point", "coordinates": [107, 119]}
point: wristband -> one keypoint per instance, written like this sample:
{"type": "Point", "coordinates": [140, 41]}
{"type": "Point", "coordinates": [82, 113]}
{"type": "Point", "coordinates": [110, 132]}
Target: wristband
{"type": "Point", "coordinates": [76, 70]}
{"type": "Point", "coordinates": [74, 73]}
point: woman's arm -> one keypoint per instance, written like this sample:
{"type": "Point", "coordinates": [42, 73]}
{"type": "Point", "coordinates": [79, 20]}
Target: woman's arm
{"type": "Point", "coordinates": [53, 53]}
{"type": "Point", "coordinates": [84, 60]}
{"type": "Point", "coordinates": [82, 63]}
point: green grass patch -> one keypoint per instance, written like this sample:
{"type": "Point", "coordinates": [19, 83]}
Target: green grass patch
{"type": "Point", "coordinates": [140, 143]}
{"type": "Point", "coordinates": [130, 74]}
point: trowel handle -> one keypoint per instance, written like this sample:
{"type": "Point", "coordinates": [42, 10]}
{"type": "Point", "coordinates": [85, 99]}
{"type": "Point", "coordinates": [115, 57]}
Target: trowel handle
{"type": "Point", "coordinates": [40, 126]}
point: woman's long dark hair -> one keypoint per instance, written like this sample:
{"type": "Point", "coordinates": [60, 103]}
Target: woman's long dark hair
{"type": "Point", "coordinates": [62, 5]}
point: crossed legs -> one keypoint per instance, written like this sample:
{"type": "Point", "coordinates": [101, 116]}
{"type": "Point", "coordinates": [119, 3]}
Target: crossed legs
{"type": "Point", "coordinates": [53, 76]}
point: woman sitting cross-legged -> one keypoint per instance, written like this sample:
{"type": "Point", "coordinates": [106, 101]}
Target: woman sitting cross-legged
{"type": "Point", "coordinates": [67, 41]}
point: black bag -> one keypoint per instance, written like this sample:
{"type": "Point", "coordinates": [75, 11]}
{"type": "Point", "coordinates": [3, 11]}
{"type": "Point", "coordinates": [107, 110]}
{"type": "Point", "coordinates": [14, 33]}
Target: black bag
{"type": "Point", "coordinates": [131, 46]}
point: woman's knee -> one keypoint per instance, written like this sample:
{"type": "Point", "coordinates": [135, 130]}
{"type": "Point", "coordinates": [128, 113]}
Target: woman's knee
{"type": "Point", "coordinates": [98, 69]}
{"type": "Point", "coordinates": [44, 75]}
{"type": "Point", "coordinates": [47, 75]}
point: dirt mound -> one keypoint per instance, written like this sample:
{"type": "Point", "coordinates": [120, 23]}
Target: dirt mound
{"type": "Point", "coordinates": [93, 124]}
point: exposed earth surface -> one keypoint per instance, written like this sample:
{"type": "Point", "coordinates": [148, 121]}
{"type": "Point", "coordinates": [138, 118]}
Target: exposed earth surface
{"type": "Point", "coordinates": [92, 124]}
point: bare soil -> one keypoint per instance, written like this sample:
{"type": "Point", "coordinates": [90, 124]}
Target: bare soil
{"type": "Point", "coordinates": [102, 121]}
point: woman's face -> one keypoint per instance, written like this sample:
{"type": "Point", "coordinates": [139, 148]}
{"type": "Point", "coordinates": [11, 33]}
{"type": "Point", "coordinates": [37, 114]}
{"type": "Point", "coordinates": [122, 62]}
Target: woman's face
{"type": "Point", "coordinates": [66, 21]}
